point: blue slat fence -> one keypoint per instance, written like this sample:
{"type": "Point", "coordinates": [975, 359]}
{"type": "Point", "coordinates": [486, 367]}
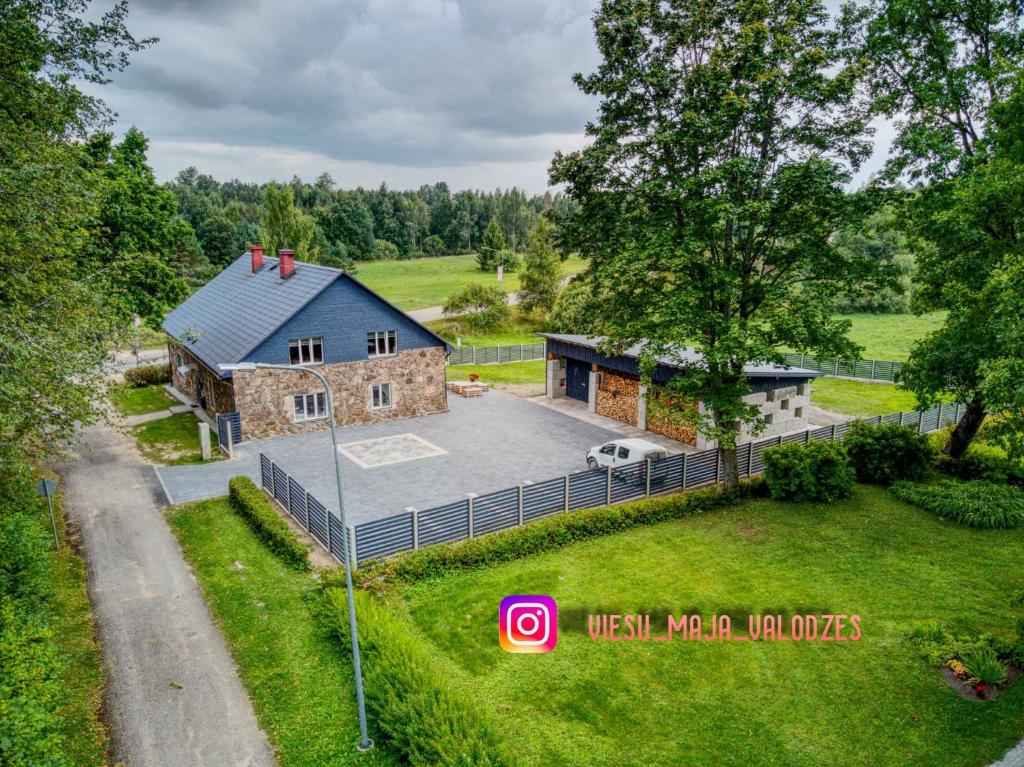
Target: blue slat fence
{"type": "Point", "coordinates": [529, 501]}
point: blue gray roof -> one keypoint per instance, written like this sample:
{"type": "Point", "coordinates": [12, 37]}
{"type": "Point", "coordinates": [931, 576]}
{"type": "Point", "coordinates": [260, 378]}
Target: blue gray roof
{"type": "Point", "coordinates": [686, 356]}
{"type": "Point", "coordinates": [237, 310]}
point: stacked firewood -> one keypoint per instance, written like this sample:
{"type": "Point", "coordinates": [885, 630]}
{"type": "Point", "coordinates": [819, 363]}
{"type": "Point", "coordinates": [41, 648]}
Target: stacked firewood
{"type": "Point", "coordinates": [617, 397]}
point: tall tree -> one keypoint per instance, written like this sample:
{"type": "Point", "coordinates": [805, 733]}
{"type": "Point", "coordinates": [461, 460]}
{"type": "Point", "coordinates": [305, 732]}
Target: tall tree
{"type": "Point", "coordinates": [491, 247]}
{"type": "Point", "coordinates": [56, 325]}
{"type": "Point", "coordinates": [941, 67]}
{"type": "Point", "coordinates": [542, 273]}
{"type": "Point", "coordinates": [283, 225]}
{"type": "Point", "coordinates": [710, 189]}
{"type": "Point", "coordinates": [348, 222]}
{"type": "Point", "coordinates": [139, 231]}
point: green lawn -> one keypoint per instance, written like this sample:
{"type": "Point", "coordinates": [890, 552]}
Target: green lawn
{"type": "Point", "coordinates": [85, 738]}
{"type": "Point", "coordinates": [520, 329]}
{"type": "Point", "coordinates": [860, 397]}
{"type": "Point", "coordinates": [129, 400]}
{"type": "Point", "coordinates": [421, 282]}
{"type": "Point", "coordinates": [874, 701]}
{"type": "Point", "coordinates": [890, 336]}
{"type": "Point", "coordinates": [173, 440]}
{"type": "Point", "coordinates": [507, 373]}
{"type": "Point", "coordinates": [299, 681]}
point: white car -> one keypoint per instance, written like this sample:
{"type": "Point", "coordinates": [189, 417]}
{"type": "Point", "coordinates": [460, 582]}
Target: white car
{"type": "Point", "coordinates": [623, 452]}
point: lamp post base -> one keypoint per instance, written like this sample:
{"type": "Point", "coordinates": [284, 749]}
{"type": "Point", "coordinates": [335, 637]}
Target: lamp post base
{"type": "Point", "coordinates": [362, 748]}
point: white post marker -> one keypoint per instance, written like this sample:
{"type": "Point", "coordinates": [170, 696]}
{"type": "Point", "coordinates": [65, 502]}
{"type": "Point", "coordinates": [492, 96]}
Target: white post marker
{"type": "Point", "coordinates": [204, 440]}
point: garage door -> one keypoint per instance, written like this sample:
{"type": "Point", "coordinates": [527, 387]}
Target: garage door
{"type": "Point", "coordinates": [577, 379]}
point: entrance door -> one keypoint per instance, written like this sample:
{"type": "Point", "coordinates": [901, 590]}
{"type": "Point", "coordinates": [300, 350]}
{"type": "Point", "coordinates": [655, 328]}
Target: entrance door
{"type": "Point", "coordinates": [577, 379]}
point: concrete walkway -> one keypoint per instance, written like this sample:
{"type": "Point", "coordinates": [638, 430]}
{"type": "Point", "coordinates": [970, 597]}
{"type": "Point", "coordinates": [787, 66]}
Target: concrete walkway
{"type": "Point", "coordinates": [173, 696]}
{"type": "Point", "coordinates": [135, 420]}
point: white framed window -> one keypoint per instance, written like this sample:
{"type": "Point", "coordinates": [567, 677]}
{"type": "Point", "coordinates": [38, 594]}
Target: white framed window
{"type": "Point", "coordinates": [382, 343]}
{"type": "Point", "coordinates": [309, 407]}
{"type": "Point", "coordinates": [380, 396]}
{"type": "Point", "coordinates": [306, 351]}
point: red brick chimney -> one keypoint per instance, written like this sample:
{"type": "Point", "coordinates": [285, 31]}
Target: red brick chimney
{"type": "Point", "coordinates": [256, 252]}
{"type": "Point", "coordinates": [286, 260]}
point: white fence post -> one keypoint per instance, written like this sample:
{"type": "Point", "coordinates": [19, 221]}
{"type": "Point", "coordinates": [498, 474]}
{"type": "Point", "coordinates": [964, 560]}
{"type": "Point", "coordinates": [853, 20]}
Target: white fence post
{"type": "Point", "coordinates": [837, 368]}
{"type": "Point", "coordinates": [520, 504]}
{"type": "Point", "coordinates": [520, 352]}
{"type": "Point", "coordinates": [273, 479]}
{"type": "Point", "coordinates": [608, 486]}
{"type": "Point", "coordinates": [718, 463]}
{"type": "Point", "coordinates": [474, 354]}
{"type": "Point", "coordinates": [647, 479]}
{"type": "Point", "coordinates": [566, 492]}
{"type": "Point", "coordinates": [472, 498]}
{"type": "Point", "coordinates": [684, 472]}
{"type": "Point", "coordinates": [956, 413]}
{"type": "Point", "coordinates": [920, 421]}
{"type": "Point", "coordinates": [873, 369]}
{"type": "Point", "coordinates": [750, 456]}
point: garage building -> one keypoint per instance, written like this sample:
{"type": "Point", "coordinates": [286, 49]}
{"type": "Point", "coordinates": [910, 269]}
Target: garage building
{"type": "Point", "coordinates": [610, 386]}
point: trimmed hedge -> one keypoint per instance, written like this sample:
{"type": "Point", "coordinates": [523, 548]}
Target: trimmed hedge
{"type": "Point", "coordinates": [416, 710]}
{"type": "Point", "coordinates": [545, 535]}
{"type": "Point", "coordinates": [979, 504]}
{"type": "Point", "coordinates": [252, 505]}
{"type": "Point", "coordinates": [884, 454]}
{"type": "Point", "coordinates": [147, 375]}
{"type": "Point", "coordinates": [818, 471]}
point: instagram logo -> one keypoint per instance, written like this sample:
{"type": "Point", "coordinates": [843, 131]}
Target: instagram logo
{"type": "Point", "coordinates": [528, 623]}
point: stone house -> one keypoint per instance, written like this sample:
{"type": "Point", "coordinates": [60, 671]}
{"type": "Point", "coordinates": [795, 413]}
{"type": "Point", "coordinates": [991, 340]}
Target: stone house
{"type": "Point", "coordinates": [381, 364]}
{"type": "Point", "coordinates": [610, 385]}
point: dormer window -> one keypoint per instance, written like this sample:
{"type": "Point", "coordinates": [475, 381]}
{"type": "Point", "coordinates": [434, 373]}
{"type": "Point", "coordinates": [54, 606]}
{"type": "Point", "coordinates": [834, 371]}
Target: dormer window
{"type": "Point", "coordinates": [382, 343]}
{"type": "Point", "coordinates": [306, 351]}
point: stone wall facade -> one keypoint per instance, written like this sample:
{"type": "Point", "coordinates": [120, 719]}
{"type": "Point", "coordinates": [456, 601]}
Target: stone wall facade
{"type": "Point", "coordinates": [214, 395]}
{"type": "Point", "coordinates": [264, 399]}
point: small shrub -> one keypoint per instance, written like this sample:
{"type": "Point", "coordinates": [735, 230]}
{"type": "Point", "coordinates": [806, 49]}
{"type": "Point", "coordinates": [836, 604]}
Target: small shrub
{"type": "Point", "coordinates": [481, 307]}
{"type": "Point", "coordinates": [252, 505]}
{"type": "Point", "coordinates": [147, 375]}
{"type": "Point", "coordinates": [972, 504]}
{"type": "Point", "coordinates": [984, 665]}
{"type": "Point", "coordinates": [819, 471]}
{"type": "Point", "coordinates": [416, 709]}
{"type": "Point", "coordinates": [884, 454]}
{"type": "Point", "coordinates": [983, 462]}
{"type": "Point", "coordinates": [544, 535]}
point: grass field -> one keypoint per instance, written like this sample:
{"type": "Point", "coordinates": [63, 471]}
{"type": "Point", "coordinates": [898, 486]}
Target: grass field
{"type": "Point", "coordinates": [863, 398]}
{"type": "Point", "coordinates": [874, 701]}
{"type": "Point", "coordinates": [84, 735]}
{"type": "Point", "coordinates": [521, 329]}
{"type": "Point", "coordinates": [890, 336]}
{"type": "Point", "coordinates": [508, 373]}
{"type": "Point", "coordinates": [421, 282]}
{"type": "Point", "coordinates": [172, 441]}
{"type": "Point", "coordinates": [299, 682]}
{"type": "Point", "coordinates": [130, 400]}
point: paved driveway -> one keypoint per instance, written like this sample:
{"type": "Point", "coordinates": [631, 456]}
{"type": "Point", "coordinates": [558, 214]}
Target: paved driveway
{"type": "Point", "coordinates": [480, 445]}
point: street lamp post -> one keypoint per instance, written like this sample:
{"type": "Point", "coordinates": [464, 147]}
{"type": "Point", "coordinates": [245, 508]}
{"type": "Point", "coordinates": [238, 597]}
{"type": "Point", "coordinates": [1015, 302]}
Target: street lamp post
{"type": "Point", "coordinates": [365, 744]}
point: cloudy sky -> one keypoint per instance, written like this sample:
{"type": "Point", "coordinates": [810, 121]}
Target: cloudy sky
{"type": "Point", "coordinates": [473, 92]}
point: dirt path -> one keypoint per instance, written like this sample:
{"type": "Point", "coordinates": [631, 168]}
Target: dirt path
{"type": "Point", "coordinates": [173, 696]}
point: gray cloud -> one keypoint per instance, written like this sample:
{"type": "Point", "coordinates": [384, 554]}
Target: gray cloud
{"type": "Point", "coordinates": [477, 92]}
